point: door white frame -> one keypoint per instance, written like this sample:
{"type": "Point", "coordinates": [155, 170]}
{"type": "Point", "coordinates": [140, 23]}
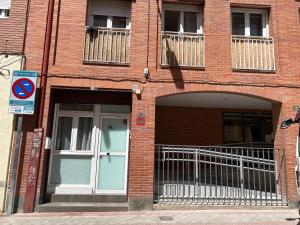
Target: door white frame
{"type": "Point", "coordinates": [98, 153]}
{"type": "Point", "coordinates": [90, 188]}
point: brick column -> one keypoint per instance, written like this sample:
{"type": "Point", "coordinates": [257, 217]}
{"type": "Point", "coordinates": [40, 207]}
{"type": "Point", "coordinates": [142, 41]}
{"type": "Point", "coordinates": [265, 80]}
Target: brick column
{"type": "Point", "coordinates": [286, 139]}
{"type": "Point", "coordinates": [141, 154]}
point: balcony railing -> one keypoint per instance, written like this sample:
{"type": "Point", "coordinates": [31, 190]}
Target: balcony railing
{"type": "Point", "coordinates": [182, 49]}
{"type": "Point", "coordinates": [106, 45]}
{"type": "Point", "coordinates": [253, 53]}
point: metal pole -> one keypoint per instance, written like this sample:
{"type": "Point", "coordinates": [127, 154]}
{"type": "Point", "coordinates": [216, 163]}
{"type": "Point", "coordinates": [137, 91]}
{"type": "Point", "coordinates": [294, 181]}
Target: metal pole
{"type": "Point", "coordinates": [11, 194]}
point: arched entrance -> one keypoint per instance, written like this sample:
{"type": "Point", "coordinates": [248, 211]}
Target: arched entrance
{"type": "Point", "coordinates": [217, 148]}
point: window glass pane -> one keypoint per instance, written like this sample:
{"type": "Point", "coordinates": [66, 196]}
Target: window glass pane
{"type": "Point", "coordinates": [233, 130]}
{"type": "Point", "coordinates": [238, 23]}
{"type": "Point", "coordinates": [100, 21]}
{"type": "Point", "coordinates": [84, 133]}
{"type": "Point", "coordinates": [253, 130]}
{"type": "Point", "coordinates": [63, 136]}
{"type": "Point", "coordinates": [119, 22]}
{"type": "Point", "coordinates": [256, 28]}
{"type": "Point", "coordinates": [76, 107]}
{"type": "Point", "coordinates": [172, 20]}
{"type": "Point", "coordinates": [190, 22]}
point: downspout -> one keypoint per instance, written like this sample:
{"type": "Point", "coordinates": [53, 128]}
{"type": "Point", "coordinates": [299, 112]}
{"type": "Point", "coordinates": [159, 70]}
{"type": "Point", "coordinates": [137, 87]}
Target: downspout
{"type": "Point", "coordinates": [45, 63]}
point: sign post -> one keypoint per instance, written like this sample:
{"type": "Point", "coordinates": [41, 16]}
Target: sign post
{"type": "Point", "coordinates": [21, 101]}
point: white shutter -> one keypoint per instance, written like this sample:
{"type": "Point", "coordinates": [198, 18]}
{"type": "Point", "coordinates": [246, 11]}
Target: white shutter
{"type": "Point", "coordinates": [5, 4]}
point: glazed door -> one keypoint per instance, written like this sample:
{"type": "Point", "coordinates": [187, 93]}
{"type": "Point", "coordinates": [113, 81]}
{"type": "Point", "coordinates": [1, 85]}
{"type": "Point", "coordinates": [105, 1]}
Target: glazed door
{"type": "Point", "coordinates": [112, 158]}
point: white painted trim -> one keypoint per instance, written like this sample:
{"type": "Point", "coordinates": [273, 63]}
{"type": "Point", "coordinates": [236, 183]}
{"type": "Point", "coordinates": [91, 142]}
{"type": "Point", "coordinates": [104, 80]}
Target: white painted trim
{"type": "Point", "coordinates": [247, 12]}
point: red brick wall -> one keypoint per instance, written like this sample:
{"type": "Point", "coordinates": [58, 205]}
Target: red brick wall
{"type": "Point", "coordinates": [12, 28]}
{"type": "Point", "coordinates": [280, 87]}
{"type": "Point", "coordinates": [188, 126]}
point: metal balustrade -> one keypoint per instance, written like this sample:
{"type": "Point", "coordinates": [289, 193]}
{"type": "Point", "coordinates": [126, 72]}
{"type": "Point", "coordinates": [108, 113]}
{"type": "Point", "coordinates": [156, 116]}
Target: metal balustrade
{"type": "Point", "coordinates": [182, 49]}
{"type": "Point", "coordinates": [106, 45]}
{"type": "Point", "coordinates": [220, 175]}
{"type": "Point", "coordinates": [253, 53]}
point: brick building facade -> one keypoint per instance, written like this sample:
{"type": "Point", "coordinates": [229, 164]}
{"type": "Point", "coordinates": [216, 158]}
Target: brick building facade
{"type": "Point", "coordinates": [207, 60]}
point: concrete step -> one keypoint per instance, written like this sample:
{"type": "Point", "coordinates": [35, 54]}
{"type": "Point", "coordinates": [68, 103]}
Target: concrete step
{"type": "Point", "coordinates": [82, 207]}
{"type": "Point", "coordinates": [88, 198]}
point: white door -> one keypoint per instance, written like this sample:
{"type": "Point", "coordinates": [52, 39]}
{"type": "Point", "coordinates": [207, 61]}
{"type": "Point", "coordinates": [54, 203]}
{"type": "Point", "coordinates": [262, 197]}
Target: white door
{"type": "Point", "coordinates": [112, 155]}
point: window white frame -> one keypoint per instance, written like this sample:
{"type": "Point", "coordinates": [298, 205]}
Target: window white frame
{"type": "Point", "coordinates": [75, 115]}
{"type": "Point", "coordinates": [110, 21]}
{"type": "Point", "coordinates": [4, 13]}
{"type": "Point", "coordinates": [247, 12]}
{"type": "Point", "coordinates": [93, 153]}
{"type": "Point", "coordinates": [182, 9]}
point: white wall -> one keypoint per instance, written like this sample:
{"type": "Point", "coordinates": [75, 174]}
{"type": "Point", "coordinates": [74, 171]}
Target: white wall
{"type": "Point", "coordinates": [7, 65]}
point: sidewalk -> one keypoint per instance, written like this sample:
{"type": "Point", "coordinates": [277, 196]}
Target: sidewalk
{"type": "Point", "coordinates": [263, 217]}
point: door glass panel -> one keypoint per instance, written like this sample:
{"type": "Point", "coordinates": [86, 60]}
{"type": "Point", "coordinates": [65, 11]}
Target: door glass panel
{"type": "Point", "coordinates": [172, 20]}
{"type": "Point", "coordinates": [190, 22]}
{"type": "Point", "coordinates": [256, 25]}
{"type": "Point", "coordinates": [63, 136]}
{"type": "Point", "coordinates": [114, 135]}
{"type": "Point", "coordinates": [238, 24]}
{"type": "Point", "coordinates": [71, 169]}
{"type": "Point", "coordinates": [111, 174]}
{"type": "Point", "coordinates": [119, 22]}
{"type": "Point", "coordinates": [84, 133]}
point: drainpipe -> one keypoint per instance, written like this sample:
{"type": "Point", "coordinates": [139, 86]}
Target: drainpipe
{"type": "Point", "coordinates": [34, 163]}
{"type": "Point", "coordinates": [45, 63]}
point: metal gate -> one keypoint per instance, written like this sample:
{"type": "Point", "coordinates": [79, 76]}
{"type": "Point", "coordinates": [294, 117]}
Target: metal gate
{"type": "Point", "coordinates": [220, 175]}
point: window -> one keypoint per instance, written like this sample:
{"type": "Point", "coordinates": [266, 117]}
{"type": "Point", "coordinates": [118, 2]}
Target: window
{"type": "Point", "coordinates": [4, 8]}
{"type": "Point", "coordinates": [182, 18]}
{"type": "Point", "coordinates": [247, 127]}
{"type": "Point", "coordinates": [4, 13]}
{"type": "Point", "coordinates": [74, 128]}
{"type": "Point", "coordinates": [249, 22]}
{"type": "Point", "coordinates": [111, 21]}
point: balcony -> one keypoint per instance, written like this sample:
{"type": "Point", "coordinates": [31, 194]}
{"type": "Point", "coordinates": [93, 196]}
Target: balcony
{"type": "Point", "coordinates": [107, 45]}
{"type": "Point", "coordinates": [182, 49]}
{"type": "Point", "coordinates": [253, 53]}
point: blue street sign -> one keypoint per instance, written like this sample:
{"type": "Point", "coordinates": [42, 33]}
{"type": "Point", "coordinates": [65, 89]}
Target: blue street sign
{"type": "Point", "coordinates": [22, 94]}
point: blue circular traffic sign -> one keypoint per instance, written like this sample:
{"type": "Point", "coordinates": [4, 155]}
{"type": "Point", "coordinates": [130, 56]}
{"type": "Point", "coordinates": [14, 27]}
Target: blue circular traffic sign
{"type": "Point", "coordinates": [23, 88]}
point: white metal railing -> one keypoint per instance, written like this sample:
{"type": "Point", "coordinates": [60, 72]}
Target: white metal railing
{"type": "Point", "coordinates": [182, 49]}
{"type": "Point", "coordinates": [253, 53]}
{"type": "Point", "coordinates": [107, 45]}
{"type": "Point", "coordinates": [220, 175]}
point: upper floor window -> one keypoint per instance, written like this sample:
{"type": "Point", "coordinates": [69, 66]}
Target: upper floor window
{"type": "Point", "coordinates": [182, 18]}
{"type": "Point", "coordinates": [246, 22]}
{"type": "Point", "coordinates": [109, 14]}
{"type": "Point", "coordinates": [111, 21]}
{"type": "Point", "coordinates": [4, 8]}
